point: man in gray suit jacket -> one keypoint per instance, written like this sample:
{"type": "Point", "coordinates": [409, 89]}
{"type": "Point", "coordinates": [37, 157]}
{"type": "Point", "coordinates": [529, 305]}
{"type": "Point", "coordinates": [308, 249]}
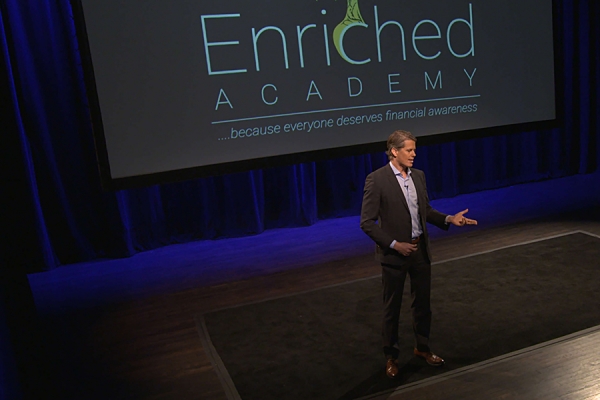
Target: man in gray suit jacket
{"type": "Point", "coordinates": [394, 214]}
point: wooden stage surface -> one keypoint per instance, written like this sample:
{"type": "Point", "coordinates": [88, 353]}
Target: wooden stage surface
{"type": "Point", "coordinates": [150, 347]}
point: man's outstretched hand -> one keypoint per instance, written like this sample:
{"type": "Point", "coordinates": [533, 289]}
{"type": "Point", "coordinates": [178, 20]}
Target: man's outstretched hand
{"type": "Point", "coordinates": [459, 219]}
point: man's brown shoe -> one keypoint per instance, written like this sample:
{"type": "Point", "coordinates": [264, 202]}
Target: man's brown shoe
{"type": "Point", "coordinates": [431, 358]}
{"type": "Point", "coordinates": [391, 368]}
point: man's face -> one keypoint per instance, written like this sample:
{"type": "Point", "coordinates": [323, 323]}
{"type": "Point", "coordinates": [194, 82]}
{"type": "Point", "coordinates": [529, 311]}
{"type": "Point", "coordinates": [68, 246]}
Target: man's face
{"type": "Point", "coordinates": [405, 155]}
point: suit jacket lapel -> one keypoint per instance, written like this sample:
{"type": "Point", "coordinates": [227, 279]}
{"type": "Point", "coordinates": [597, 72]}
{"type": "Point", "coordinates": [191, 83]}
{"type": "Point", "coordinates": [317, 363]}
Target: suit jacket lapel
{"type": "Point", "coordinates": [421, 190]}
{"type": "Point", "coordinates": [393, 183]}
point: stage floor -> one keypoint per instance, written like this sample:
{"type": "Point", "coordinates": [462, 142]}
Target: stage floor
{"type": "Point", "coordinates": [125, 328]}
{"type": "Point", "coordinates": [565, 368]}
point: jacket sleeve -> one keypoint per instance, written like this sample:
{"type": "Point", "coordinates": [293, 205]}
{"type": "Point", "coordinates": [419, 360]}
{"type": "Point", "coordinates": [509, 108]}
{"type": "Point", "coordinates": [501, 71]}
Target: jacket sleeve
{"type": "Point", "coordinates": [432, 215]}
{"type": "Point", "coordinates": [370, 213]}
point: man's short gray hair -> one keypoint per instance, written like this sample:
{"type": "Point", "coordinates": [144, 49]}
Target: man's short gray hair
{"type": "Point", "coordinates": [396, 141]}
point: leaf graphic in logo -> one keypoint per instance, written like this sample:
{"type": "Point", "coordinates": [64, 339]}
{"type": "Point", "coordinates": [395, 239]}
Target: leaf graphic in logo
{"type": "Point", "coordinates": [353, 17]}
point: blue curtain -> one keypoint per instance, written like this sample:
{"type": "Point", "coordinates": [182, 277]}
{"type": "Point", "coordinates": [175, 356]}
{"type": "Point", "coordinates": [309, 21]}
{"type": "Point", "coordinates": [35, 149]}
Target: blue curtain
{"type": "Point", "coordinates": [60, 214]}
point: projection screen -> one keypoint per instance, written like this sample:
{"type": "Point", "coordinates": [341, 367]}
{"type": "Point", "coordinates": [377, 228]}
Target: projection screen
{"type": "Point", "coordinates": [195, 87]}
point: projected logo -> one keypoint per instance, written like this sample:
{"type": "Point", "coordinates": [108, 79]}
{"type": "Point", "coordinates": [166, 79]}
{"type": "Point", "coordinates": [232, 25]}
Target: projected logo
{"type": "Point", "coordinates": [275, 61]}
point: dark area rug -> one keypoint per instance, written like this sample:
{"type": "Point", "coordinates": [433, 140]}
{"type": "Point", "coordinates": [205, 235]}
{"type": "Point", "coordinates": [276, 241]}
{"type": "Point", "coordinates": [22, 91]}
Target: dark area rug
{"type": "Point", "coordinates": [325, 344]}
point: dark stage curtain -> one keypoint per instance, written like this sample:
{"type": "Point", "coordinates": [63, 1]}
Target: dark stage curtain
{"type": "Point", "coordinates": [59, 213]}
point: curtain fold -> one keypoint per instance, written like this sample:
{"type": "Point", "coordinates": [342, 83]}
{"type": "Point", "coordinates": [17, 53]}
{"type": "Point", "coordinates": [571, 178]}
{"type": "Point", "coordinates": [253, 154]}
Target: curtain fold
{"type": "Point", "coordinates": [71, 219]}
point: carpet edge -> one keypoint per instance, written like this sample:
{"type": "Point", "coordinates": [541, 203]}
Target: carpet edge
{"type": "Point", "coordinates": [215, 360]}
